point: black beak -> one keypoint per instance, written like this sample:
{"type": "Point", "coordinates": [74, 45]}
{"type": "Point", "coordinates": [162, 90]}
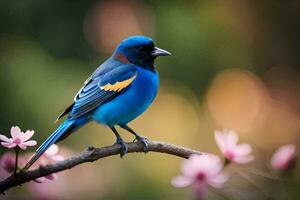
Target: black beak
{"type": "Point", "coordinates": [160, 52]}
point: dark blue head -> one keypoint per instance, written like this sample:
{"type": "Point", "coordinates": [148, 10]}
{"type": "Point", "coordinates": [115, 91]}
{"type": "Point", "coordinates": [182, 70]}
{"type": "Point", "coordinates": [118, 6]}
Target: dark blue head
{"type": "Point", "coordinates": [139, 50]}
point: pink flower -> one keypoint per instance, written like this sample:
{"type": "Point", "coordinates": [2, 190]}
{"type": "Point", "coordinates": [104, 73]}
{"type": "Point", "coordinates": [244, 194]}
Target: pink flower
{"type": "Point", "coordinates": [50, 177]}
{"type": "Point", "coordinates": [227, 143]}
{"type": "Point", "coordinates": [201, 171]}
{"type": "Point", "coordinates": [284, 157]}
{"type": "Point", "coordinates": [7, 162]}
{"type": "Point", "coordinates": [52, 153]}
{"type": "Point", "coordinates": [19, 138]}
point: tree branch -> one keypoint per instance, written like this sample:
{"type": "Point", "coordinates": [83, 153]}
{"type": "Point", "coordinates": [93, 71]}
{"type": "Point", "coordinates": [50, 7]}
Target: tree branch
{"type": "Point", "coordinates": [89, 155]}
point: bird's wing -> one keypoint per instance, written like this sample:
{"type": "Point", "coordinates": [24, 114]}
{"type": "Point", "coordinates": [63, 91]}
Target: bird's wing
{"type": "Point", "coordinates": [102, 87]}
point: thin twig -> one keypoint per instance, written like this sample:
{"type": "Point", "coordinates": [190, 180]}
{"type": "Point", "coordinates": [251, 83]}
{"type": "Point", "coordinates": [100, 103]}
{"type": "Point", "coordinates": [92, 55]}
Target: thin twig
{"type": "Point", "coordinates": [16, 159]}
{"type": "Point", "coordinates": [92, 154]}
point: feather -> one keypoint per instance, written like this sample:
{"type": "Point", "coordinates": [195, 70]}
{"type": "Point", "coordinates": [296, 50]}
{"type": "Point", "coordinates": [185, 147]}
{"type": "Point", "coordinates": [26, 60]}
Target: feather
{"type": "Point", "coordinates": [54, 137]}
{"type": "Point", "coordinates": [118, 86]}
{"type": "Point", "coordinates": [66, 111]}
{"type": "Point", "coordinates": [113, 76]}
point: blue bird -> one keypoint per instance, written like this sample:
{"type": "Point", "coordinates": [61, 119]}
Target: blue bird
{"type": "Point", "coordinates": [117, 92]}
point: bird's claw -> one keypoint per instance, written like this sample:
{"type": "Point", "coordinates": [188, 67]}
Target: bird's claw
{"type": "Point", "coordinates": [124, 147]}
{"type": "Point", "coordinates": [144, 141]}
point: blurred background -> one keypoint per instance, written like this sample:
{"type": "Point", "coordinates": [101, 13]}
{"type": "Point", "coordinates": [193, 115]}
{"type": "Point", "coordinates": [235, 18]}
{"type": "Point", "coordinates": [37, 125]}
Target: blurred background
{"type": "Point", "coordinates": [235, 65]}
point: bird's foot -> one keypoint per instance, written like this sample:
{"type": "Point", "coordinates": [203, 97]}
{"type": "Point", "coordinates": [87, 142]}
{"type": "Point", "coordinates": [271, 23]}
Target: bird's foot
{"type": "Point", "coordinates": [144, 141]}
{"type": "Point", "coordinates": [124, 147]}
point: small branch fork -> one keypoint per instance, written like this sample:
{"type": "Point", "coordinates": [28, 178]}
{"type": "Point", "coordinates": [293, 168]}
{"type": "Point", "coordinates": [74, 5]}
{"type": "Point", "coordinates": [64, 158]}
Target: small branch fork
{"type": "Point", "coordinates": [92, 154]}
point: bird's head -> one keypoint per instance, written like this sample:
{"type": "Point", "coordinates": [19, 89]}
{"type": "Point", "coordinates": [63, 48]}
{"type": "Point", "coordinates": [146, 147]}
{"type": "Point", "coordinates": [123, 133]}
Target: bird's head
{"type": "Point", "coordinates": [138, 50]}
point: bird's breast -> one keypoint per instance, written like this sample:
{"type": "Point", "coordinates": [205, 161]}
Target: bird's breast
{"type": "Point", "coordinates": [146, 84]}
{"type": "Point", "coordinates": [133, 101]}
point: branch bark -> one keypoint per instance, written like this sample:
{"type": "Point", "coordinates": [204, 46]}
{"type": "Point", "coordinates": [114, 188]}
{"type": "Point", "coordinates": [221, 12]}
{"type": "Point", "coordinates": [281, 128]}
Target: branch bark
{"type": "Point", "coordinates": [92, 154]}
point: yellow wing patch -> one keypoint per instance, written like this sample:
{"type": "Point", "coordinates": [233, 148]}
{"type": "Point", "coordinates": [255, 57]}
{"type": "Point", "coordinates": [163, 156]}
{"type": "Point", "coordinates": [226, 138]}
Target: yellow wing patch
{"type": "Point", "coordinates": [118, 86]}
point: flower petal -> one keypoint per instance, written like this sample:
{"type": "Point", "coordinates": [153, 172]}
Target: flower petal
{"type": "Point", "coordinates": [8, 145]}
{"type": "Point", "coordinates": [283, 158]}
{"type": "Point", "coordinates": [27, 135]}
{"type": "Point", "coordinates": [22, 146]}
{"type": "Point", "coordinates": [51, 176]}
{"type": "Point", "coordinates": [181, 181]}
{"type": "Point", "coordinates": [5, 139]}
{"type": "Point", "coordinates": [53, 149]}
{"type": "Point", "coordinates": [211, 164]}
{"type": "Point", "coordinates": [7, 162]}
{"type": "Point", "coordinates": [57, 158]}
{"type": "Point", "coordinates": [219, 138]}
{"type": "Point", "coordinates": [243, 149]}
{"type": "Point", "coordinates": [15, 132]}
{"type": "Point", "coordinates": [231, 138]}
{"type": "Point", "coordinates": [199, 189]}
{"type": "Point", "coordinates": [218, 181]}
{"type": "Point", "coordinates": [30, 143]}
{"type": "Point", "coordinates": [40, 179]}
{"type": "Point", "coordinates": [190, 167]}
{"type": "Point", "coordinates": [243, 159]}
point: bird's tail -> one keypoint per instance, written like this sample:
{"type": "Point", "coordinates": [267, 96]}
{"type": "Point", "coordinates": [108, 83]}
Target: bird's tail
{"type": "Point", "coordinates": [64, 128]}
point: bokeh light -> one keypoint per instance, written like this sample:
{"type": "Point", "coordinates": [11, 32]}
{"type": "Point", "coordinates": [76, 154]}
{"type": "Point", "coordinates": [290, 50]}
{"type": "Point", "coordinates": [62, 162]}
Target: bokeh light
{"type": "Point", "coordinates": [237, 99]}
{"type": "Point", "coordinates": [109, 22]}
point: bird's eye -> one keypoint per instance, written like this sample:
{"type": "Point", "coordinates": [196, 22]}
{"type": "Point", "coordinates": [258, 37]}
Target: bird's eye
{"type": "Point", "coordinates": [145, 49]}
{"type": "Point", "coordinates": [142, 48]}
